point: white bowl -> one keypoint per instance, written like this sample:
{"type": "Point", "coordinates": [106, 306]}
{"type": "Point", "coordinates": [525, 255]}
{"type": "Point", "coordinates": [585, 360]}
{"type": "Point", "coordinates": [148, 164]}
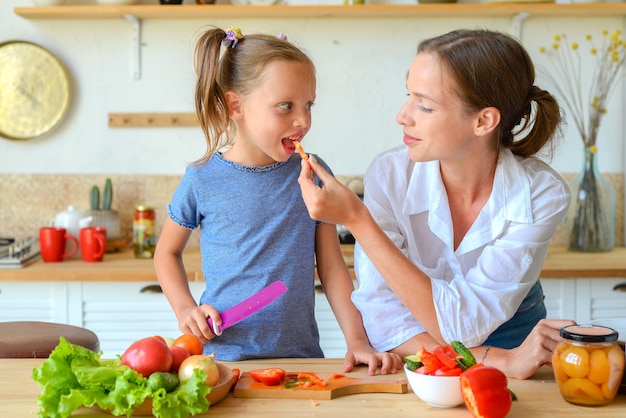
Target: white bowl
{"type": "Point", "coordinates": [437, 391]}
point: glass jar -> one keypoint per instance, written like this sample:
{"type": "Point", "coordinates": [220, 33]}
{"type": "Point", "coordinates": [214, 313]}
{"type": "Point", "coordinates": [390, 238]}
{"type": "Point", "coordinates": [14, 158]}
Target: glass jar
{"type": "Point", "coordinates": [588, 364]}
{"type": "Point", "coordinates": [144, 238]}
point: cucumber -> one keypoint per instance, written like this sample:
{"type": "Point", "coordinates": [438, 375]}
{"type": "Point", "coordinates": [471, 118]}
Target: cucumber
{"type": "Point", "coordinates": [413, 362]}
{"type": "Point", "coordinates": [164, 380]}
{"type": "Point", "coordinates": [466, 359]}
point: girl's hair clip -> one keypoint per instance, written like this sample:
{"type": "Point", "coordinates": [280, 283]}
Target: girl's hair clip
{"type": "Point", "coordinates": [233, 35]}
{"type": "Point", "coordinates": [282, 36]}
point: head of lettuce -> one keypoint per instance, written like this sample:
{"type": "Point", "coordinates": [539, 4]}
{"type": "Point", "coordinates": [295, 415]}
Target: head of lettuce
{"type": "Point", "coordinates": [74, 377]}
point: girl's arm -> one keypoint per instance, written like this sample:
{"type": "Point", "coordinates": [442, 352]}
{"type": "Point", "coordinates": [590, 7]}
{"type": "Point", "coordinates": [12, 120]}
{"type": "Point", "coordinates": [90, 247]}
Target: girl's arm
{"type": "Point", "coordinates": [338, 287]}
{"type": "Point", "coordinates": [170, 270]}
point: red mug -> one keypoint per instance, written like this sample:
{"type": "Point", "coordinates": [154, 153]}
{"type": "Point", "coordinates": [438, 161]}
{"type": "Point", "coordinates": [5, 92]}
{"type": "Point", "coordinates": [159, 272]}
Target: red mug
{"type": "Point", "coordinates": [52, 243]}
{"type": "Point", "coordinates": [93, 243]}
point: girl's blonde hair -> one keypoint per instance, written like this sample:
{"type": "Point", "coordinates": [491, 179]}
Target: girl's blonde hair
{"type": "Point", "coordinates": [237, 69]}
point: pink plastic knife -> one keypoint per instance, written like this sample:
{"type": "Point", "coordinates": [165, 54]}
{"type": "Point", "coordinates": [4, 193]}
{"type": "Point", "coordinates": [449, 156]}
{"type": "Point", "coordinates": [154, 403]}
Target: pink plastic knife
{"type": "Point", "coordinates": [248, 307]}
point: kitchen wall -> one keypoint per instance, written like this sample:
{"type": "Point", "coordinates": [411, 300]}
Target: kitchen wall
{"type": "Point", "coordinates": [361, 66]}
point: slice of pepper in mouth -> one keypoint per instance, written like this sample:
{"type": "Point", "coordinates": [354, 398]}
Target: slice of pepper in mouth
{"type": "Point", "coordinates": [300, 150]}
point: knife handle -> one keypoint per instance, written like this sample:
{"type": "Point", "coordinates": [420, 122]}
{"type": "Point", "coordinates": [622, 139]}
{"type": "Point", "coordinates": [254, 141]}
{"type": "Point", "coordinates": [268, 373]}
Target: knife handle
{"type": "Point", "coordinates": [216, 330]}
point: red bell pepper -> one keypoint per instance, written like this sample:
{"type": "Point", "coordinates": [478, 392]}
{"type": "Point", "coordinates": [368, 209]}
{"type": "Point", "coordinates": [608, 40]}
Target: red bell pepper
{"type": "Point", "coordinates": [485, 392]}
{"type": "Point", "coordinates": [269, 377]}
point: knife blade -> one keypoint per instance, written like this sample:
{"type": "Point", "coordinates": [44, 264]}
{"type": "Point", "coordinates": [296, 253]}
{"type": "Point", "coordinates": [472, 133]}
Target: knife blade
{"type": "Point", "coordinates": [248, 307]}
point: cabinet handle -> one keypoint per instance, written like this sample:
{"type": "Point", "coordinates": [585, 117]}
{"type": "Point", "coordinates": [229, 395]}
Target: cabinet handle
{"type": "Point", "coordinates": [620, 287]}
{"type": "Point", "coordinates": [152, 288]}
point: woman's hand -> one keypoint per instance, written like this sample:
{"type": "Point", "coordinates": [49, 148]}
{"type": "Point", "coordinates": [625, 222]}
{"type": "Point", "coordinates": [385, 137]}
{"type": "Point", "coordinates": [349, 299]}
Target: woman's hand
{"type": "Point", "coordinates": [333, 202]}
{"type": "Point", "coordinates": [536, 350]}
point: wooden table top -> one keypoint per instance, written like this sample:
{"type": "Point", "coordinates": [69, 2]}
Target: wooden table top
{"type": "Point", "coordinates": [123, 266]}
{"type": "Point", "coordinates": [538, 397]}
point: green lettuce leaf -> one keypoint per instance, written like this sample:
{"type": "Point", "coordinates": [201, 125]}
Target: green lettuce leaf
{"type": "Point", "coordinates": [74, 377]}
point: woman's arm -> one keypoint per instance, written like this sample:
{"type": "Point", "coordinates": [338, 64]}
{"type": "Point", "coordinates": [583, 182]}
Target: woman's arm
{"type": "Point", "coordinates": [336, 203]}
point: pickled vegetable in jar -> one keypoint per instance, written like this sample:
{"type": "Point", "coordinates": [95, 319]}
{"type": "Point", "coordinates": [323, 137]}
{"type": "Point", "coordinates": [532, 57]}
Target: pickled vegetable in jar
{"type": "Point", "coordinates": [588, 364]}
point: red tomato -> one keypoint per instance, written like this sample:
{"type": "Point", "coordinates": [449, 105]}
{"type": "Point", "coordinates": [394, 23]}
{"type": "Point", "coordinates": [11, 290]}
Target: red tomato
{"type": "Point", "coordinates": [190, 342]}
{"type": "Point", "coordinates": [147, 356]}
{"type": "Point", "coordinates": [269, 377]}
{"type": "Point", "coordinates": [179, 354]}
{"type": "Point", "coordinates": [202, 362]}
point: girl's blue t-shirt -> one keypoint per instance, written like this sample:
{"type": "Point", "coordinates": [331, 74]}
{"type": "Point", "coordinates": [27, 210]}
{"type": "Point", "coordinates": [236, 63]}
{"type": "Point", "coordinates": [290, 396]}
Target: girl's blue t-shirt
{"type": "Point", "coordinates": [254, 229]}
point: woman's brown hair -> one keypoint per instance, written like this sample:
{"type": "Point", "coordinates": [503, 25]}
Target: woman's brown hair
{"type": "Point", "coordinates": [492, 69]}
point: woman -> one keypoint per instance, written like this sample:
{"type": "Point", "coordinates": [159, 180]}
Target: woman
{"type": "Point", "coordinates": [457, 221]}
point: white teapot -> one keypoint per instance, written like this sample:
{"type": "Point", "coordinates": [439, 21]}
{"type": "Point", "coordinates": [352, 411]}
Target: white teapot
{"type": "Point", "coordinates": [72, 220]}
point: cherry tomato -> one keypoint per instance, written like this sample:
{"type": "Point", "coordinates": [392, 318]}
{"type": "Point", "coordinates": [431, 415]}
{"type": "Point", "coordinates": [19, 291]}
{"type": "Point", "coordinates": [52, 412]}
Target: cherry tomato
{"type": "Point", "coordinates": [147, 356]}
{"type": "Point", "coordinates": [190, 342]}
{"type": "Point", "coordinates": [158, 337]}
{"type": "Point", "coordinates": [269, 377]}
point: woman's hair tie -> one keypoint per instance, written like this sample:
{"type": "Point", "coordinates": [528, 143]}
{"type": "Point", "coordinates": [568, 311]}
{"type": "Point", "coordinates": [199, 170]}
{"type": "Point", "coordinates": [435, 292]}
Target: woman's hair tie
{"type": "Point", "coordinates": [282, 37]}
{"type": "Point", "coordinates": [233, 35]}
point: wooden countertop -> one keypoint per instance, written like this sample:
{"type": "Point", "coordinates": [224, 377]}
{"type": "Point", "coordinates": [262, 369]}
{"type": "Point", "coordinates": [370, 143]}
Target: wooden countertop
{"type": "Point", "coordinates": [537, 397]}
{"type": "Point", "coordinates": [123, 266]}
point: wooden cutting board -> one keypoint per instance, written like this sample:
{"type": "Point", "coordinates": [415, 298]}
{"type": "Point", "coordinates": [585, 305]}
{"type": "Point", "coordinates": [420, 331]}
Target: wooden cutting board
{"type": "Point", "coordinates": [247, 388]}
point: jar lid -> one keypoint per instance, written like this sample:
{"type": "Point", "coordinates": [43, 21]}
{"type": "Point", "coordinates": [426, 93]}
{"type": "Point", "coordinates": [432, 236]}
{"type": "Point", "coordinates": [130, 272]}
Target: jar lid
{"type": "Point", "coordinates": [589, 333]}
{"type": "Point", "coordinates": [143, 208]}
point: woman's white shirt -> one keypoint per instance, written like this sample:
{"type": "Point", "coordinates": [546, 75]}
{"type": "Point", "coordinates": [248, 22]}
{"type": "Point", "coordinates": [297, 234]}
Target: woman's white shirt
{"type": "Point", "coordinates": [480, 285]}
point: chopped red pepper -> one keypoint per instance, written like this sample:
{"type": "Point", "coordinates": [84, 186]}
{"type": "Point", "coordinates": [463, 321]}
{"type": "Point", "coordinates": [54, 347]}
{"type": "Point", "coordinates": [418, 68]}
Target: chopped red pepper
{"type": "Point", "coordinates": [446, 359]}
{"type": "Point", "coordinates": [269, 377]}
{"type": "Point", "coordinates": [313, 378]}
{"type": "Point", "coordinates": [485, 392]}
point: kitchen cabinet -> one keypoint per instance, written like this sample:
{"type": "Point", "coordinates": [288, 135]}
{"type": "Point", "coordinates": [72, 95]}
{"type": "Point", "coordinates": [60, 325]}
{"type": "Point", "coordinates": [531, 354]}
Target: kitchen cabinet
{"type": "Point", "coordinates": [585, 299]}
{"type": "Point", "coordinates": [34, 301]}
{"type": "Point", "coordinates": [113, 297]}
{"type": "Point", "coordinates": [125, 312]}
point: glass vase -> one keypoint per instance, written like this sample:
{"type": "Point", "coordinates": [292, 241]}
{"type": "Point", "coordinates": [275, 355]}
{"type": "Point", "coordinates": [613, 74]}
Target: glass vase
{"type": "Point", "coordinates": [590, 224]}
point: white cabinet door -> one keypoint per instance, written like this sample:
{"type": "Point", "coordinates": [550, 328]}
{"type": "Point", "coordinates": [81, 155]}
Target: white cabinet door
{"type": "Point", "coordinates": [560, 298]}
{"type": "Point", "coordinates": [33, 301]}
{"type": "Point", "coordinates": [600, 298]}
{"type": "Point", "coordinates": [123, 312]}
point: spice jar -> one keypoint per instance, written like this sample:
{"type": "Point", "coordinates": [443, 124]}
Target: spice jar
{"type": "Point", "coordinates": [588, 364]}
{"type": "Point", "coordinates": [144, 238]}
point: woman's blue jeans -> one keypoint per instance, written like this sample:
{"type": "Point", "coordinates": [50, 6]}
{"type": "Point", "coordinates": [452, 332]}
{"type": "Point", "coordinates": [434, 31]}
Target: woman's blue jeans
{"type": "Point", "coordinates": [512, 333]}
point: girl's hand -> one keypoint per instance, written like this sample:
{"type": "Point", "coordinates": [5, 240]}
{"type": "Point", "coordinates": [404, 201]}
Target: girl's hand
{"type": "Point", "coordinates": [194, 321]}
{"type": "Point", "coordinates": [390, 363]}
{"type": "Point", "coordinates": [333, 202]}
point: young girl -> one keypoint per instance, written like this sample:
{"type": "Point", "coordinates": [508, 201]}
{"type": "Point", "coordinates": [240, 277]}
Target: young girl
{"type": "Point", "coordinates": [457, 221]}
{"type": "Point", "coordinates": [254, 96]}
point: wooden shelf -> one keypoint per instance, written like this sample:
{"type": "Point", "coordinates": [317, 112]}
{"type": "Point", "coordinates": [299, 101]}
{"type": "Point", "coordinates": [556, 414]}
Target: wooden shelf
{"type": "Point", "coordinates": [308, 12]}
